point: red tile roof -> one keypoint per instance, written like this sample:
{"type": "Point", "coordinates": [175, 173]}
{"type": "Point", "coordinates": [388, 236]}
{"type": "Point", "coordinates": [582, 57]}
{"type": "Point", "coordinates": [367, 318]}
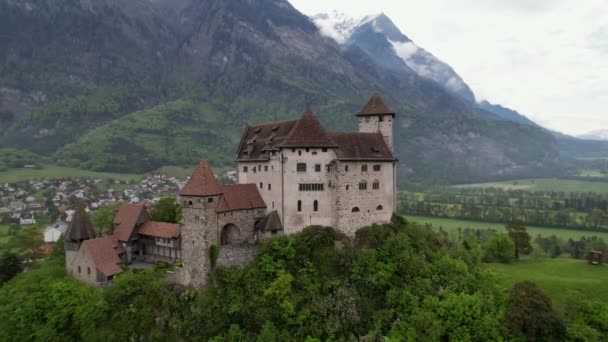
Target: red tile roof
{"type": "Point", "coordinates": [308, 132]}
{"type": "Point", "coordinates": [361, 146]}
{"type": "Point", "coordinates": [127, 220]}
{"type": "Point", "coordinates": [240, 197]}
{"type": "Point", "coordinates": [105, 252]}
{"type": "Point", "coordinates": [160, 229]}
{"type": "Point", "coordinates": [202, 182]}
{"type": "Point", "coordinates": [375, 106]}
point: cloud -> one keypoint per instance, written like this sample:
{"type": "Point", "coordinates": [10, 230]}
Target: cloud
{"type": "Point", "coordinates": [525, 6]}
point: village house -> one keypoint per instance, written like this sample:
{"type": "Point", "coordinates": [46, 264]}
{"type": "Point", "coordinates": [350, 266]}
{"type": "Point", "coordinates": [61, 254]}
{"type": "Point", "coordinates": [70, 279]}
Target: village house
{"type": "Point", "coordinates": [55, 231]}
{"type": "Point", "coordinates": [290, 175]}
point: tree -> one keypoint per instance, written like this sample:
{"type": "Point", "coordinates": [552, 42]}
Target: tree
{"type": "Point", "coordinates": [103, 219]}
{"type": "Point", "coordinates": [596, 217]}
{"type": "Point", "coordinates": [167, 210]}
{"type": "Point", "coordinates": [499, 248]}
{"type": "Point", "coordinates": [521, 238]}
{"type": "Point", "coordinates": [29, 241]}
{"type": "Point", "coordinates": [530, 314]}
{"type": "Point", "coordinates": [10, 266]}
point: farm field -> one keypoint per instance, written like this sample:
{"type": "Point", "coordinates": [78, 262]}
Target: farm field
{"type": "Point", "coordinates": [452, 225]}
{"type": "Point", "coordinates": [54, 172]}
{"type": "Point", "coordinates": [560, 278]}
{"type": "Point", "coordinates": [560, 185]}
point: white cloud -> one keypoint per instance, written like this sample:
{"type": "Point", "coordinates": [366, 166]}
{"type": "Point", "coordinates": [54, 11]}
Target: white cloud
{"type": "Point", "coordinates": [544, 58]}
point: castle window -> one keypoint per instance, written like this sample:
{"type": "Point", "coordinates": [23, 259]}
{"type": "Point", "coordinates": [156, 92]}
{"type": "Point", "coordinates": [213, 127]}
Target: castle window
{"type": "Point", "coordinates": [196, 218]}
{"type": "Point", "coordinates": [79, 270]}
{"type": "Point", "coordinates": [245, 169]}
{"type": "Point", "coordinates": [377, 167]}
{"type": "Point", "coordinates": [210, 200]}
{"type": "Point", "coordinates": [88, 270]}
{"type": "Point", "coordinates": [301, 167]}
{"type": "Point", "coordinates": [346, 168]}
{"type": "Point", "coordinates": [376, 185]}
{"type": "Point", "coordinates": [272, 204]}
{"type": "Point", "coordinates": [261, 185]}
{"type": "Point", "coordinates": [364, 168]}
{"type": "Point", "coordinates": [260, 168]}
{"type": "Point", "coordinates": [318, 168]}
{"type": "Point", "coordinates": [381, 118]}
{"type": "Point", "coordinates": [315, 206]}
{"type": "Point", "coordinates": [198, 200]}
{"type": "Point", "coordinates": [269, 187]}
{"type": "Point", "coordinates": [266, 168]}
{"type": "Point", "coordinates": [311, 187]}
{"type": "Point", "coordinates": [348, 187]}
{"type": "Point", "coordinates": [254, 170]}
{"type": "Point", "coordinates": [272, 167]}
{"type": "Point", "coordinates": [307, 150]}
{"type": "Point", "coordinates": [299, 152]}
{"type": "Point", "coordinates": [293, 150]}
{"type": "Point", "coordinates": [299, 206]}
{"type": "Point", "coordinates": [314, 153]}
{"type": "Point", "coordinates": [379, 207]}
{"type": "Point", "coordinates": [363, 185]}
{"type": "Point", "coordinates": [355, 210]}
{"type": "Point", "coordinates": [324, 149]}
{"type": "Point", "coordinates": [190, 203]}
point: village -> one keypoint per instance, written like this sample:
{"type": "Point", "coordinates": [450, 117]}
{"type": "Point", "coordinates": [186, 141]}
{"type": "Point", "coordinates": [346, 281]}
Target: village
{"type": "Point", "coordinates": [48, 206]}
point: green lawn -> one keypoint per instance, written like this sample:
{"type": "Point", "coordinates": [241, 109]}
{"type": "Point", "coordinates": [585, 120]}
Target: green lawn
{"type": "Point", "coordinates": [55, 172]}
{"type": "Point", "coordinates": [562, 185]}
{"type": "Point", "coordinates": [175, 171]}
{"type": "Point", "coordinates": [560, 278]}
{"type": "Point", "coordinates": [451, 224]}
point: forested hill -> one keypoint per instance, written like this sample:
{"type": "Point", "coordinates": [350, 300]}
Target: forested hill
{"type": "Point", "coordinates": [134, 85]}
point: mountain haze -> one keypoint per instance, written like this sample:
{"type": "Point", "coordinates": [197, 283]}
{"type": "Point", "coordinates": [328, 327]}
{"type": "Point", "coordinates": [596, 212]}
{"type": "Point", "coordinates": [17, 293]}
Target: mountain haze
{"type": "Point", "coordinates": [131, 86]}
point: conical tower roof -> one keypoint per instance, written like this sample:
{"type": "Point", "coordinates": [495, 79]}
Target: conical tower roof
{"type": "Point", "coordinates": [308, 132]}
{"type": "Point", "coordinates": [202, 182]}
{"type": "Point", "coordinates": [80, 228]}
{"type": "Point", "coordinates": [376, 106]}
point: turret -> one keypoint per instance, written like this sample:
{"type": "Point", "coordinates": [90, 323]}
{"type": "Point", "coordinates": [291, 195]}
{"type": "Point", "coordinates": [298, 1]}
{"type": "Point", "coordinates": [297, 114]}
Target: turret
{"type": "Point", "coordinates": [199, 198]}
{"type": "Point", "coordinates": [376, 116]}
{"type": "Point", "coordinates": [79, 230]}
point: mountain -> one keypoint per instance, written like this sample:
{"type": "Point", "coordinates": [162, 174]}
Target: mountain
{"type": "Point", "coordinates": [378, 36]}
{"type": "Point", "coordinates": [131, 86]}
{"type": "Point", "coordinates": [505, 113]}
{"type": "Point", "coordinates": [601, 134]}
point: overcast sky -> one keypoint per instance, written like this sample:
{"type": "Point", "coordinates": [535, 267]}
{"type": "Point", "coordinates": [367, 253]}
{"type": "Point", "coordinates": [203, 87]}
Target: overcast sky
{"type": "Point", "coordinates": [548, 59]}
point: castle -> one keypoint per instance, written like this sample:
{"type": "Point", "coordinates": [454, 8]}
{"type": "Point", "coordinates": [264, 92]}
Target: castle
{"type": "Point", "coordinates": [290, 175]}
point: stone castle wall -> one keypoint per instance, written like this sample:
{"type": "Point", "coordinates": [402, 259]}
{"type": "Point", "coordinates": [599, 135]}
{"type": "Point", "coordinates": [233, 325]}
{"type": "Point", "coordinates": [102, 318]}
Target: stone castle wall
{"type": "Point", "coordinates": [237, 255]}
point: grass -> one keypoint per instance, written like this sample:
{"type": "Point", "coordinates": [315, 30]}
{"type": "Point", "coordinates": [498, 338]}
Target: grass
{"type": "Point", "coordinates": [4, 229]}
{"type": "Point", "coordinates": [592, 173]}
{"type": "Point", "coordinates": [175, 171]}
{"type": "Point", "coordinates": [452, 225]}
{"type": "Point", "coordinates": [56, 172]}
{"type": "Point", "coordinates": [560, 278]}
{"type": "Point", "coordinates": [561, 185]}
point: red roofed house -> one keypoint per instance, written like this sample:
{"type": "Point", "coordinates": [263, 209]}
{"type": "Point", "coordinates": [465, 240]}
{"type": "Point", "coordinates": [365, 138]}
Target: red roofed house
{"type": "Point", "coordinates": [291, 175]}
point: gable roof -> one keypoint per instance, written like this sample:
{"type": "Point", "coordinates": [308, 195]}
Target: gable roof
{"type": "Point", "coordinates": [375, 106]}
{"type": "Point", "coordinates": [160, 229]}
{"type": "Point", "coordinates": [270, 222]}
{"type": "Point", "coordinates": [202, 182]}
{"type": "Point", "coordinates": [361, 146]}
{"type": "Point", "coordinates": [258, 140]}
{"type": "Point", "coordinates": [127, 218]}
{"type": "Point", "coordinates": [240, 197]}
{"type": "Point", "coordinates": [308, 132]}
{"type": "Point", "coordinates": [81, 227]}
{"type": "Point", "coordinates": [105, 252]}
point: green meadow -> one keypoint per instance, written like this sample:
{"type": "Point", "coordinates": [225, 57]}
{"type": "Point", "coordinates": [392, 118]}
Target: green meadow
{"type": "Point", "coordinates": [562, 279]}
{"type": "Point", "coordinates": [56, 172]}
{"type": "Point", "coordinates": [452, 225]}
{"type": "Point", "coordinates": [561, 185]}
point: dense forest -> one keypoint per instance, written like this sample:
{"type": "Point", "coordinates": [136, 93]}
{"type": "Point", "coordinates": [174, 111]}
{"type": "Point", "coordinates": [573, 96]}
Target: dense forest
{"type": "Point", "coordinates": [396, 282]}
{"type": "Point", "coordinates": [541, 208]}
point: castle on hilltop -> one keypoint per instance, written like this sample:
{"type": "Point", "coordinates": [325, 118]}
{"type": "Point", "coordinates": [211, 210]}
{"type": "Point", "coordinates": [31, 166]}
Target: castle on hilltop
{"type": "Point", "coordinates": [290, 175]}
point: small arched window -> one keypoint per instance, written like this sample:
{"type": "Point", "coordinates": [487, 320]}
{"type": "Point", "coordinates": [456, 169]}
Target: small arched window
{"type": "Point", "coordinates": [299, 206]}
{"type": "Point", "coordinates": [346, 168]}
{"type": "Point", "coordinates": [379, 207]}
{"type": "Point", "coordinates": [348, 187]}
{"type": "Point", "coordinates": [190, 203]}
{"type": "Point", "coordinates": [315, 206]}
{"type": "Point", "coordinates": [355, 210]}
{"type": "Point", "coordinates": [88, 270]}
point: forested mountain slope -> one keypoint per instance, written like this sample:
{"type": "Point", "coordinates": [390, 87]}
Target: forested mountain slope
{"type": "Point", "coordinates": [133, 85]}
